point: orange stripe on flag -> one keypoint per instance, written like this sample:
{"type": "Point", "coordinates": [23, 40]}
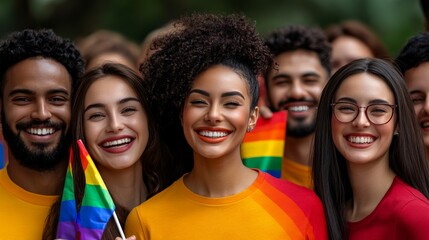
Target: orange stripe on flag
{"type": "Point", "coordinates": [273, 134]}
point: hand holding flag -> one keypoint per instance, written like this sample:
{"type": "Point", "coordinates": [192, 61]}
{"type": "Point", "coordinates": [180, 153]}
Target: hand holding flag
{"type": "Point", "coordinates": [97, 205]}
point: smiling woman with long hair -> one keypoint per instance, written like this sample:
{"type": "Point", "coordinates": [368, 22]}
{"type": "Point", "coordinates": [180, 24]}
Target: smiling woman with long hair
{"type": "Point", "coordinates": [370, 169]}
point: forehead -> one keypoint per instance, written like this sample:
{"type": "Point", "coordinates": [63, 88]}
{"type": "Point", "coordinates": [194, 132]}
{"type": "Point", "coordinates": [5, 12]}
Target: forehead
{"type": "Point", "coordinates": [37, 75]}
{"type": "Point", "coordinates": [346, 46]}
{"type": "Point", "coordinates": [298, 62]}
{"type": "Point", "coordinates": [364, 87]}
{"type": "Point", "coordinates": [220, 78]}
{"type": "Point", "coordinates": [417, 78]}
{"type": "Point", "coordinates": [108, 89]}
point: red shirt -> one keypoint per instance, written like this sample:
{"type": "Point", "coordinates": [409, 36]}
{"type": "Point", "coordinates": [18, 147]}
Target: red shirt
{"type": "Point", "coordinates": [403, 213]}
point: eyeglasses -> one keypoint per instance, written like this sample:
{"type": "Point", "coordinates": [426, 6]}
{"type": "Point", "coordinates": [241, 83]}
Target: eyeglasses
{"type": "Point", "coordinates": [377, 114]}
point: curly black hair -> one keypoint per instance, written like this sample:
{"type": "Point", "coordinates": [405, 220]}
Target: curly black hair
{"type": "Point", "coordinates": [415, 52]}
{"type": "Point", "coordinates": [197, 42]}
{"type": "Point", "coordinates": [28, 43]}
{"type": "Point", "coordinates": [296, 37]}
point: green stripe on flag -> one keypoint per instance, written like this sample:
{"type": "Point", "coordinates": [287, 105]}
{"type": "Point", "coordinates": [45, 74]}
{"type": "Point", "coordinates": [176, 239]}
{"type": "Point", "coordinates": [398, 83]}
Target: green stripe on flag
{"type": "Point", "coordinates": [96, 196]}
{"type": "Point", "coordinates": [264, 163]}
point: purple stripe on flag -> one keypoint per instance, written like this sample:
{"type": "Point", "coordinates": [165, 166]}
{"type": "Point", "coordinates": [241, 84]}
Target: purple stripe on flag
{"type": "Point", "coordinates": [66, 230]}
{"type": "Point", "coordinates": [86, 233]}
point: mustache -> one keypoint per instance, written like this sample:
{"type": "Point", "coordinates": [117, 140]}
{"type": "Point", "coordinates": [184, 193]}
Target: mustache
{"type": "Point", "coordinates": [282, 103]}
{"type": "Point", "coordinates": [36, 123]}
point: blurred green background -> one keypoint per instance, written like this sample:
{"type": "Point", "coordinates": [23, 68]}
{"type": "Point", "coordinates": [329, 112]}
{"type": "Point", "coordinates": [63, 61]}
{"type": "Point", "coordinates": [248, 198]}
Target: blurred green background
{"type": "Point", "coordinates": [394, 21]}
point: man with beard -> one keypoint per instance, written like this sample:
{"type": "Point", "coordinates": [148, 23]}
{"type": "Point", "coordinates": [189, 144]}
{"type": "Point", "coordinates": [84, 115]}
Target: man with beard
{"type": "Point", "coordinates": [294, 83]}
{"type": "Point", "coordinates": [37, 72]}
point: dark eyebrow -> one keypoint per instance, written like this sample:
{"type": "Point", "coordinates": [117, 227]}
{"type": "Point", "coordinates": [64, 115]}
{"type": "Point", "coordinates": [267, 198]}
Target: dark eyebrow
{"type": "Point", "coordinates": [100, 105]}
{"type": "Point", "coordinates": [226, 94]}
{"type": "Point", "coordinates": [232, 93]}
{"type": "Point", "coordinates": [281, 75]}
{"type": "Point", "coordinates": [416, 91]}
{"type": "Point", "coordinates": [128, 99]}
{"type": "Point", "coordinates": [29, 92]}
{"type": "Point", "coordinates": [374, 101]}
{"type": "Point", "coordinates": [202, 92]}
{"type": "Point", "coordinates": [310, 74]}
{"type": "Point", "coordinates": [305, 74]}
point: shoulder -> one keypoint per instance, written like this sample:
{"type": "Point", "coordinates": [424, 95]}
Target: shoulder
{"type": "Point", "coordinates": [401, 192]}
{"type": "Point", "coordinates": [297, 192]}
{"type": "Point", "coordinates": [413, 219]}
{"type": "Point", "coordinates": [161, 198]}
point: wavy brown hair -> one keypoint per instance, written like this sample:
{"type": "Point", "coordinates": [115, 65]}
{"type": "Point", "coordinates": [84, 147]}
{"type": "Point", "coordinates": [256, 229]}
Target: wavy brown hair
{"type": "Point", "coordinates": [155, 175]}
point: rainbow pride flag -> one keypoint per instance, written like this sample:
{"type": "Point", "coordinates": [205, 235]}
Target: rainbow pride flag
{"type": "Point", "coordinates": [263, 147]}
{"type": "Point", "coordinates": [97, 205]}
{"type": "Point", "coordinates": [68, 214]}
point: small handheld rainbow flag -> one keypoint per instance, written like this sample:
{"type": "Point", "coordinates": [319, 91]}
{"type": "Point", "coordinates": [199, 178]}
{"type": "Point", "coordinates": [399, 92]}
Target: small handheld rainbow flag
{"type": "Point", "coordinates": [68, 214]}
{"type": "Point", "coordinates": [97, 205]}
{"type": "Point", "coordinates": [263, 147]}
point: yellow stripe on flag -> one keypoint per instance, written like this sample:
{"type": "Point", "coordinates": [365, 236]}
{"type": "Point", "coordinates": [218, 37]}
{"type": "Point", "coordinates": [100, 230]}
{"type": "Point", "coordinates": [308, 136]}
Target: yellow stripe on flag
{"type": "Point", "coordinates": [272, 148]}
{"type": "Point", "coordinates": [92, 176]}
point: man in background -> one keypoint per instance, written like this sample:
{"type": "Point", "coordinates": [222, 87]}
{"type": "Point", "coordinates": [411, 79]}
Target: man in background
{"type": "Point", "coordinates": [294, 83]}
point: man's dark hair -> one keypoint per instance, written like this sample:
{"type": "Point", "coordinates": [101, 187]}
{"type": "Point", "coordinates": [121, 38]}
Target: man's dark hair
{"type": "Point", "coordinates": [29, 43]}
{"type": "Point", "coordinates": [415, 52]}
{"type": "Point", "coordinates": [296, 37]}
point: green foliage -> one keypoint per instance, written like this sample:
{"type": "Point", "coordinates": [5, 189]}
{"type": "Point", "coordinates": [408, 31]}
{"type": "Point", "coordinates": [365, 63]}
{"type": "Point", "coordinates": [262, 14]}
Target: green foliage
{"type": "Point", "coordinates": [393, 20]}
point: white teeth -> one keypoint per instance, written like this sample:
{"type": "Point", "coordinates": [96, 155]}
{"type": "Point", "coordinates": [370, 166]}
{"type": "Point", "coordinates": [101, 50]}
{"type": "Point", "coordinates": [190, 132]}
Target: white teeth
{"type": "Point", "coordinates": [425, 124]}
{"type": "Point", "coordinates": [212, 134]}
{"type": "Point", "coordinates": [298, 108]}
{"type": "Point", "coordinates": [41, 131]}
{"type": "Point", "coordinates": [117, 142]}
{"type": "Point", "coordinates": [361, 139]}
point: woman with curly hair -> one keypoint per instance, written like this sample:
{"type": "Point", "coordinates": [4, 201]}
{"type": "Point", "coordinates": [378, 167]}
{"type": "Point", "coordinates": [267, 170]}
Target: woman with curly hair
{"type": "Point", "coordinates": [369, 163]}
{"type": "Point", "coordinates": [205, 91]}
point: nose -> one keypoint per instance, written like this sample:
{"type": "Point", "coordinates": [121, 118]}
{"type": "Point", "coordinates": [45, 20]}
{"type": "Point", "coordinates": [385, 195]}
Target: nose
{"type": "Point", "coordinates": [361, 120]}
{"type": "Point", "coordinates": [41, 111]}
{"type": "Point", "coordinates": [213, 114]}
{"type": "Point", "coordinates": [296, 90]}
{"type": "Point", "coordinates": [115, 123]}
{"type": "Point", "coordinates": [426, 106]}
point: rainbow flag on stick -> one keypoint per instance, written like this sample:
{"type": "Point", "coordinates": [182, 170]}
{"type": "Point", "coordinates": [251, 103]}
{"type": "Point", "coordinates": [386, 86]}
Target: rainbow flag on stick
{"type": "Point", "coordinates": [263, 147]}
{"type": "Point", "coordinates": [68, 214]}
{"type": "Point", "coordinates": [97, 205]}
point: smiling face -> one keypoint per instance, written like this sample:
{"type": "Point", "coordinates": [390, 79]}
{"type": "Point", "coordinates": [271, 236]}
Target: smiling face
{"type": "Point", "coordinates": [216, 113]}
{"type": "Point", "coordinates": [115, 123]}
{"type": "Point", "coordinates": [296, 86]}
{"type": "Point", "coordinates": [417, 80]}
{"type": "Point", "coordinates": [360, 141]}
{"type": "Point", "coordinates": [36, 112]}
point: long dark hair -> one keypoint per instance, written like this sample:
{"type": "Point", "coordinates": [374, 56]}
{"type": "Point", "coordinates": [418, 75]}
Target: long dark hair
{"type": "Point", "coordinates": [155, 174]}
{"type": "Point", "coordinates": [407, 156]}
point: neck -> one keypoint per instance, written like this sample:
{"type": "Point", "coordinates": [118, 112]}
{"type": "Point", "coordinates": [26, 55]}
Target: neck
{"type": "Point", "coordinates": [219, 177]}
{"type": "Point", "coordinates": [39, 182]}
{"type": "Point", "coordinates": [298, 149]}
{"type": "Point", "coordinates": [369, 185]}
{"type": "Point", "coordinates": [126, 185]}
